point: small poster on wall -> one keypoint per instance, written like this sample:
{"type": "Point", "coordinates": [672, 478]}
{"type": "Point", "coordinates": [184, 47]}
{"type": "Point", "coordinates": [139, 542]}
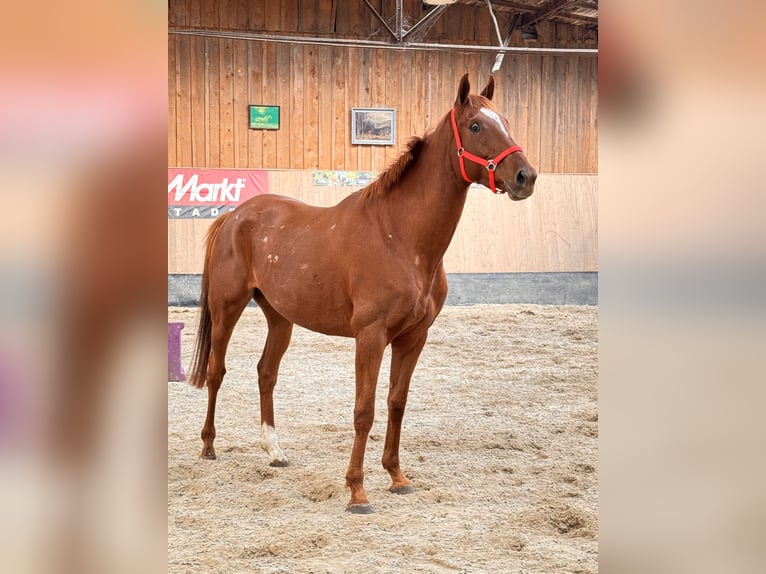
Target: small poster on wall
{"type": "Point", "coordinates": [264, 117]}
{"type": "Point", "coordinates": [373, 126]}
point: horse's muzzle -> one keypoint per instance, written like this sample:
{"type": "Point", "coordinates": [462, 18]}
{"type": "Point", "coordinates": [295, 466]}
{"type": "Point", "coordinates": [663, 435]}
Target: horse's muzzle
{"type": "Point", "coordinates": [522, 185]}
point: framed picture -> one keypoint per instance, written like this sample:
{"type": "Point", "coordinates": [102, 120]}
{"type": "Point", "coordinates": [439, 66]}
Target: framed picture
{"type": "Point", "coordinates": [373, 126]}
{"type": "Point", "coordinates": [264, 117]}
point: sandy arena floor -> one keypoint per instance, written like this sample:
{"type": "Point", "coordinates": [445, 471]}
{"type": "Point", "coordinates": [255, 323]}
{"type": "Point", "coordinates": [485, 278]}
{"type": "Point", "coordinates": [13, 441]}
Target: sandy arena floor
{"type": "Point", "coordinates": [500, 440]}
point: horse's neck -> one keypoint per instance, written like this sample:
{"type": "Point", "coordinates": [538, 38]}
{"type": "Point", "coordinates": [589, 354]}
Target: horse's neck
{"type": "Point", "coordinates": [428, 202]}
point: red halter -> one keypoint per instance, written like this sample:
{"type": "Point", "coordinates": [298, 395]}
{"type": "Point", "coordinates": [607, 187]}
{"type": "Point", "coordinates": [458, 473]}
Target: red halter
{"type": "Point", "coordinates": [490, 164]}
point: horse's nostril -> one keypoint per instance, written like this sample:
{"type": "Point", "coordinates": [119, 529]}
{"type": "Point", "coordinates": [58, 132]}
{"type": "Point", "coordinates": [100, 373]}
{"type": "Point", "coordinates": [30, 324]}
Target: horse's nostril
{"type": "Point", "coordinates": [521, 178]}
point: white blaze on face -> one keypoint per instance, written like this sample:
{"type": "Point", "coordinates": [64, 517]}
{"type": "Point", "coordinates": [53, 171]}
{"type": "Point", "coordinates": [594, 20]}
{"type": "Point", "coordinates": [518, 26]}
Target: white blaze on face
{"type": "Point", "coordinates": [493, 115]}
{"type": "Point", "coordinates": [270, 444]}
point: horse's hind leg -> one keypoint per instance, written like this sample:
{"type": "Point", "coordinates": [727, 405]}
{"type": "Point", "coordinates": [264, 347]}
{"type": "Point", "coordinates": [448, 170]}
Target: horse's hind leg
{"type": "Point", "coordinates": [277, 341]}
{"type": "Point", "coordinates": [224, 315]}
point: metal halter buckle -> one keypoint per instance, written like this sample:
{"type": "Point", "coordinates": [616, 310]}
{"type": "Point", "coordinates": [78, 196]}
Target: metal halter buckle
{"type": "Point", "coordinates": [491, 165]}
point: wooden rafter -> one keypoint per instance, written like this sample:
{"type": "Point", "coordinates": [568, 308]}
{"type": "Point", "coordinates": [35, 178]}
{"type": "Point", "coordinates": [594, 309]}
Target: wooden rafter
{"type": "Point", "coordinates": [548, 10]}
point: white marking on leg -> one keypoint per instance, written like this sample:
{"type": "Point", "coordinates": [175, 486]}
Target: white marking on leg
{"type": "Point", "coordinates": [270, 444]}
{"type": "Point", "coordinates": [491, 114]}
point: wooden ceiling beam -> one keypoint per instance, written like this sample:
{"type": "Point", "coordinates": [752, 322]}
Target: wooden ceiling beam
{"type": "Point", "coordinates": [501, 5]}
{"type": "Point", "coordinates": [547, 11]}
{"type": "Point", "coordinates": [536, 14]}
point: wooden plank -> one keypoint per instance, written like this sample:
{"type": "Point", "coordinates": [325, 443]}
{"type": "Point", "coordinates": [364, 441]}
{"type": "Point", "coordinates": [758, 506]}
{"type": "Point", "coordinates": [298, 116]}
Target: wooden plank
{"type": "Point", "coordinates": [418, 123]}
{"type": "Point", "coordinates": [309, 16]}
{"type": "Point", "coordinates": [547, 116]}
{"type": "Point", "coordinates": [378, 96]}
{"type": "Point", "coordinates": [186, 238]}
{"type": "Point", "coordinates": [226, 86]}
{"type": "Point", "coordinates": [255, 97]}
{"type": "Point", "coordinates": [352, 100]}
{"type": "Point", "coordinates": [177, 13]}
{"type": "Point", "coordinates": [396, 74]}
{"type": "Point", "coordinates": [359, 18]}
{"type": "Point", "coordinates": [257, 15]}
{"type": "Point", "coordinates": [194, 14]}
{"type": "Point", "coordinates": [296, 109]}
{"type": "Point", "coordinates": [430, 89]}
{"type": "Point", "coordinates": [213, 81]}
{"type": "Point", "coordinates": [364, 72]}
{"type": "Point", "coordinates": [326, 16]}
{"type": "Point", "coordinates": [227, 17]}
{"type": "Point", "coordinates": [575, 112]}
{"type": "Point", "coordinates": [283, 98]}
{"type": "Point", "coordinates": [273, 16]}
{"type": "Point", "coordinates": [533, 141]}
{"type": "Point", "coordinates": [594, 114]}
{"type": "Point", "coordinates": [243, 14]}
{"type": "Point", "coordinates": [183, 102]}
{"type": "Point", "coordinates": [209, 14]}
{"type": "Point", "coordinates": [289, 16]}
{"type": "Point", "coordinates": [241, 144]}
{"type": "Point", "coordinates": [197, 99]}
{"type": "Point", "coordinates": [592, 128]}
{"type": "Point", "coordinates": [311, 107]}
{"type": "Point", "coordinates": [515, 94]}
{"type": "Point", "coordinates": [561, 120]}
{"type": "Point", "coordinates": [325, 91]}
{"type": "Point", "coordinates": [405, 97]}
{"type": "Point", "coordinates": [339, 119]}
{"type": "Point", "coordinates": [172, 100]}
{"type": "Point", "coordinates": [343, 18]}
{"type": "Point", "coordinates": [270, 150]}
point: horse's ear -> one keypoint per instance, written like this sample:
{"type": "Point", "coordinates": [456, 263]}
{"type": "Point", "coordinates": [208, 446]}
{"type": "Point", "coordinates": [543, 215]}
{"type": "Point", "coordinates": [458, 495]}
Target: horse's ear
{"type": "Point", "coordinates": [489, 89]}
{"type": "Point", "coordinates": [463, 90]}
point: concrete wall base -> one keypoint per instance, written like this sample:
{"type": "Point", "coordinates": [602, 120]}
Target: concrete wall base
{"type": "Point", "coordinates": [576, 288]}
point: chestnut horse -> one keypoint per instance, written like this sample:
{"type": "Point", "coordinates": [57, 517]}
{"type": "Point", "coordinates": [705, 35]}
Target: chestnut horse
{"type": "Point", "coordinates": [369, 267]}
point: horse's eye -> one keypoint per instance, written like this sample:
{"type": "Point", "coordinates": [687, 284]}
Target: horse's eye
{"type": "Point", "coordinates": [474, 127]}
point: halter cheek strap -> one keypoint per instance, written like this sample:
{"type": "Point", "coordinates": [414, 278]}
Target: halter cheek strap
{"type": "Point", "coordinates": [490, 164]}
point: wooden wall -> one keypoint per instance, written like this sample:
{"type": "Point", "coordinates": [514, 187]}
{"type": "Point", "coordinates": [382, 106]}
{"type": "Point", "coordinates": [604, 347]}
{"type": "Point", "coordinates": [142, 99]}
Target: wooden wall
{"type": "Point", "coordinates": [554, 230]}
{"type": "Point", "coordinates": [550, 102]}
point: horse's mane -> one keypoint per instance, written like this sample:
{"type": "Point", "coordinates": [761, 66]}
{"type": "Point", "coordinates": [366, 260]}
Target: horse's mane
{"type": "Point", "coordinates": [389, 178]}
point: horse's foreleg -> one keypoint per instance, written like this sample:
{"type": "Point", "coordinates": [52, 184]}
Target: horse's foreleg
{"type": "Point", "coordinates": [404, 356]}
{"type": "Point", "coordinates": [224, 319]}
{"type": "Point", "coordinates": [277, 341]}
{"type": "Point", "coordinates": [370, 345]}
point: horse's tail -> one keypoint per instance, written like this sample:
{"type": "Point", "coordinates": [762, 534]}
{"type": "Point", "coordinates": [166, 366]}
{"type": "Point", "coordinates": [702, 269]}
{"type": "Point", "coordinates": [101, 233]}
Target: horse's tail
{"type": "Point", "coordinates": [204, 329]}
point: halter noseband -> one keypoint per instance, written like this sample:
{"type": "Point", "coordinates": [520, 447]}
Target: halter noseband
{"type": "Point", "coordinates": [490, 164]}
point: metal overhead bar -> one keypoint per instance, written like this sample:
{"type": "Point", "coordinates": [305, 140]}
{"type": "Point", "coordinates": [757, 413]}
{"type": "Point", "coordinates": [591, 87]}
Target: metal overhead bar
{"type": "Point", "coordinates": [354, 43]}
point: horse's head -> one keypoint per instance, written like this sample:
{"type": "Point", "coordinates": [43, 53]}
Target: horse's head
{"type": "Point", "coordinates": [486, 153]}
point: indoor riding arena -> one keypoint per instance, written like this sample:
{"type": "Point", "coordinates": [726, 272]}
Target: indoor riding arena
{"type": "Point", "coordinates": [424, 106]}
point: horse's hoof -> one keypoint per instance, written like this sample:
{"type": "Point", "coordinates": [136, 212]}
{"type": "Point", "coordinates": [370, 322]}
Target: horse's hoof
{"type": "Point", "coordinates": [284, 462]}
{"type": "Point", "coordinates": [406, 489]}
{"type": "Point", "coordinates": [207, 455]}
{"type": "Point", "coordinates": [359, 509]}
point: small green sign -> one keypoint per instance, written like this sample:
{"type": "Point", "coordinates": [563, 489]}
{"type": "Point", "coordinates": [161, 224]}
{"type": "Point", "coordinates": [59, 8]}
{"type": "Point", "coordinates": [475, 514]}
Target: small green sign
{"type": "Point", "coordinates": [264, 117]}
